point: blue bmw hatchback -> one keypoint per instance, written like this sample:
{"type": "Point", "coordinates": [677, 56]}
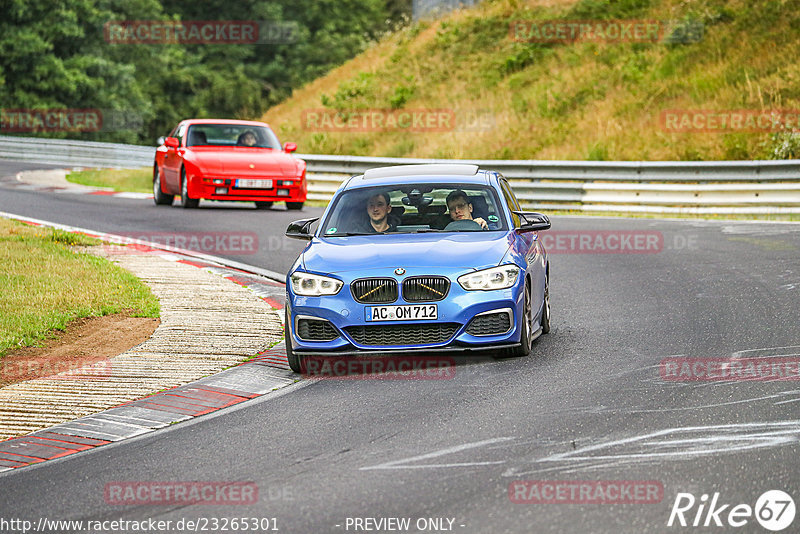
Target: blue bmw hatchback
{"type": "Point", "coordinates": [418, 258]}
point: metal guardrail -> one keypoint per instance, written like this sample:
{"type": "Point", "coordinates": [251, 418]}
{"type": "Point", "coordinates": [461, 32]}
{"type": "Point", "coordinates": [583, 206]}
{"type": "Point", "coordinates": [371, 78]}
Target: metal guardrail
{"type": "Point", "coordinates": [650, 171]}
{"type": "Point", "coordinates": [75, 153]}
{"type": "Point", "coordinates": [722, 187]}
{"type": "Point", "coordinates": [659, 186]}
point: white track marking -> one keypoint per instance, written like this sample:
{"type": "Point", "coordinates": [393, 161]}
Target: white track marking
{"type": "Point", "coordinates": [399, 464]}
{"type": "Point", "coordinates": [718, 438]}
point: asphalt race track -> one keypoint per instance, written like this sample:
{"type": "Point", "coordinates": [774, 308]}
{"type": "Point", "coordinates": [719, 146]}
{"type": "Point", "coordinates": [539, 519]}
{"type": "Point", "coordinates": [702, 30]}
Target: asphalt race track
{"type": "Point", "coordinates": [143, 218]}
{"type": "Point", "coordinates": [590, 404]}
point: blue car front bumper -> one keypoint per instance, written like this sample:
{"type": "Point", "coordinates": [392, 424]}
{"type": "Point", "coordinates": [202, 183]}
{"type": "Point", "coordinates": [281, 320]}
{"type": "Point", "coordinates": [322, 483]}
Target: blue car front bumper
{"type": "Point", "coordinates": [355, 334]}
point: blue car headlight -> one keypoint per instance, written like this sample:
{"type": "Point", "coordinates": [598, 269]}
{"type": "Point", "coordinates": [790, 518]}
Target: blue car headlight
{"type": "Point", "coordinates": [500, 277]}
{"type": "Point", "coordinates": [314, 285]}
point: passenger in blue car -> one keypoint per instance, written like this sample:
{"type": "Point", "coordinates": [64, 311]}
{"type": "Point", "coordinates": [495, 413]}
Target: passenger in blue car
{"type": "Point", "coordinates": [379, 209]}
{"type": "Point", "coordinates": [461, 208]}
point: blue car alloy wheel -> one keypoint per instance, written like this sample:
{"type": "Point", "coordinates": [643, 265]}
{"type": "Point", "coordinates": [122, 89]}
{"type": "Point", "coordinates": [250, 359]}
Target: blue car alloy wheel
{"type": "Point", "coordinates": [417, 259]}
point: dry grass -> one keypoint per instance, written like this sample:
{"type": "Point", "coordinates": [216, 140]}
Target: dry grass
{"type": "Point", "coordinates": [564, 101]}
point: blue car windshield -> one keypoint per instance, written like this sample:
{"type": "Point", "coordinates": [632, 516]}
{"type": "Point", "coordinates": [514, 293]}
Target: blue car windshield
{"type": "Point", "coordinates": [415, 208]}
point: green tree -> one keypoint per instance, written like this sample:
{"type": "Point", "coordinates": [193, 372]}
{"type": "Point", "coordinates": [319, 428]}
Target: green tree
{"type": "Point", "coordinates": [55, 55]}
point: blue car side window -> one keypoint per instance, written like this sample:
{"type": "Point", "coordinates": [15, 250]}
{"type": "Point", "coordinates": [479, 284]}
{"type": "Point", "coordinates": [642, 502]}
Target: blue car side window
{"type": "Point", "coordinates": [511, 201]}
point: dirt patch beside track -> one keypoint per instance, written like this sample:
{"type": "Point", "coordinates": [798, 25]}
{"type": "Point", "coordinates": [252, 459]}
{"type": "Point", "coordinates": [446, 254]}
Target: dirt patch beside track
{"type": "Point", "coordinates": [84, 347]}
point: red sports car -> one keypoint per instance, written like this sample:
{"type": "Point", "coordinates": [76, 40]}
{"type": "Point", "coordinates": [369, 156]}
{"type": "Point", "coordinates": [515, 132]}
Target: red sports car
{"type": "Point", "coordinates": [227, 160]}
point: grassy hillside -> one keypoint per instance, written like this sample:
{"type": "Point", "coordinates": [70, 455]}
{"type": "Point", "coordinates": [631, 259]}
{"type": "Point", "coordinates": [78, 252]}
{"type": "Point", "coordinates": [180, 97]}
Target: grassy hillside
{"type": "Point", "coordinates": [568, 100]}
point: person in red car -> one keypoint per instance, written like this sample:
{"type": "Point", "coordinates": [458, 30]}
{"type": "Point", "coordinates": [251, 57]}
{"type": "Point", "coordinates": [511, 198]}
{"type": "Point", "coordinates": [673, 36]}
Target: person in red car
{"type": "Point", "coordinates": [247, 138]}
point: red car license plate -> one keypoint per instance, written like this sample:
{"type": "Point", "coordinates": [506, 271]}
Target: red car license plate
{"type": "Point", "coordinates": [248, 183]}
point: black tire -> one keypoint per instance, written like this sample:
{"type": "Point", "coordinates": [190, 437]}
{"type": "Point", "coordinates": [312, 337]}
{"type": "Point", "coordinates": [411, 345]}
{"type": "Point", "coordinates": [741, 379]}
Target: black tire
{"type": "Point", "coordinates": [295, 360]}
{"type": "Point", "coordinates": [524, 348]}
{"type": "Point", "coordinates": [186, 201]}
{"type": "Point", "coordinates": [263, 204]}
{"type": "Point", "coordinates": [294, 206]}
{"type": "Point", "coordinates": [159, 197]}
{"type": "Point", "coordinates": [545, 321]}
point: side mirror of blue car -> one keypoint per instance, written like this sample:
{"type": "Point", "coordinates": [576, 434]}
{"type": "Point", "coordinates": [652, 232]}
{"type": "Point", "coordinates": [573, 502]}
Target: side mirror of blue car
{"type": "Point", "coordinates": [532, 221]}
{"type": "Point", "coordinates": [301, 229]}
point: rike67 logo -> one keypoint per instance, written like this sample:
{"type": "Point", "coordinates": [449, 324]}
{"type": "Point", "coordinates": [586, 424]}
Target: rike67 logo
{"type": "Point", "coordinates": [774, 510]}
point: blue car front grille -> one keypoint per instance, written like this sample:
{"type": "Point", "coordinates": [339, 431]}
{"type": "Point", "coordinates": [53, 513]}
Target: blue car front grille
{"type": "Point", "coordinates": [425, 288]}
{"type": "Point", "coordinates": [374, 290]}
{"type": "Point", "coordinates": [402, 334]}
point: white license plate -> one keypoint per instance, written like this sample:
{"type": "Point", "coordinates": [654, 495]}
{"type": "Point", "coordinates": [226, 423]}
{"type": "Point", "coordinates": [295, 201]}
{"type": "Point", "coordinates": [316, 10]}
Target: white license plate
{"type": "Point", "coordinates": [401, 313]}
{"type": "Point", "coordinates": [246, 183]}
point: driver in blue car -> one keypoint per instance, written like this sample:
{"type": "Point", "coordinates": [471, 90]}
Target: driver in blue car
{"type": "Point", "coordinates": [461, 208]}
{"type": "Point", "coordinates": [378, 209]}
